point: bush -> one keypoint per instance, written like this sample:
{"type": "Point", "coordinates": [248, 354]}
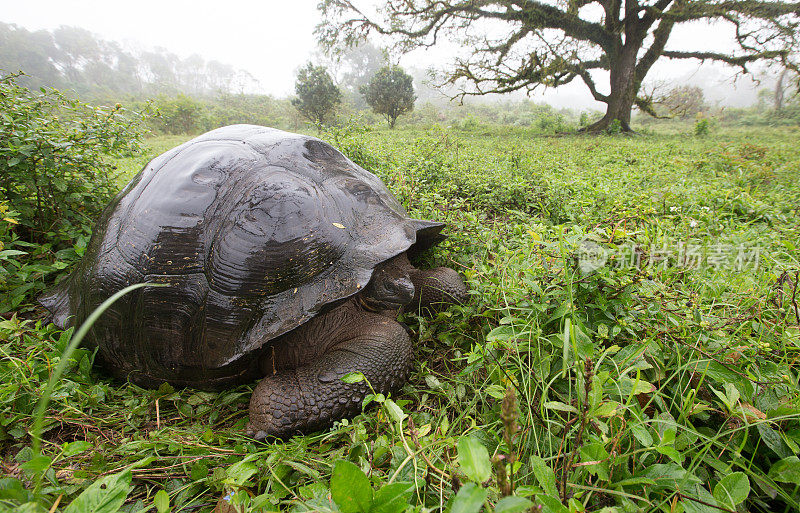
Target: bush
{"type": "Point", "coordinates": [615, 127]}
{"type": "Point", "coordinates": [317, 95]}
{"type": "Point", "coordinates": [55, 176]}
{"type": "Point", "coordinates": [701, 127]}
{"type": "Point", "coordinates": [179, 115]}
{"type": "Point", "coordinates": [390, 93]}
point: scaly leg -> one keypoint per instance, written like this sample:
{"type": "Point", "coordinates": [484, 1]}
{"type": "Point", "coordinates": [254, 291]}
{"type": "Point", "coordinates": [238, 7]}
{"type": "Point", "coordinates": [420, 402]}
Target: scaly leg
{"type": "Point", "coordinates": [312, 396]}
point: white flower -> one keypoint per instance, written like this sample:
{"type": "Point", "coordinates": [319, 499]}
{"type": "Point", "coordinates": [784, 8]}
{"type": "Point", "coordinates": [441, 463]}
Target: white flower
{"type": "Point", "coordinates": [693, 223]}
{"type": "Point", "coordinates": [673, 209]}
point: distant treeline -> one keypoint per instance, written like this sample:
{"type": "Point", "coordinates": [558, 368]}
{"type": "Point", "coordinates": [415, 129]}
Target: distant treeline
{"type": "Point", "coordinates": [186, 114]}
{"type": "Point", "coordinates": [193, 95]}
{"type": "Point", "coordinates": [72, 58]}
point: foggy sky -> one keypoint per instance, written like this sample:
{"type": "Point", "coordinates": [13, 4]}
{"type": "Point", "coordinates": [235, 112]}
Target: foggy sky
{"type": "Point", "coordinates": [271, 39]}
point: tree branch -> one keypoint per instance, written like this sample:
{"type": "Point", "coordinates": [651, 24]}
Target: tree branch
{"type": "Point", "coordinates": [753, 9]}
{"type": "Point", "coordinates": [587, 79]}
{"type": "Point", "coordinates": [612, 8]}
{"type": "Point", "coordinates": [660, 37]}
{"type": "Point", "coordinates": [646, 106]}
{"type": "Point", "coordinates": [740, 61]}
{"type": "Point", "coordinates": [542, 16]}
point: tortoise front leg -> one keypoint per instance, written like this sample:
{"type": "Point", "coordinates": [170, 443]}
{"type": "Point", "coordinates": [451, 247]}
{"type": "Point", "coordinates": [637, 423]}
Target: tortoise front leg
{"type": "Point", "coordinates": [313, 396]}
{"type": "Point", "coordinates": [438, 288]}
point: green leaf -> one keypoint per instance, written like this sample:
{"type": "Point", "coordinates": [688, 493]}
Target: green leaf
{"type": "Point", "coordinates": [199, 471]}
{"type": "Point", "coordinates": [732, 489]}
{"type": "Point", "coordinates": [668, 474]}
{"type": "Point", "coordinates": [60, 184]}
{"type": "Point", "coordinates": [501, 333]}
{"type": "Point", "coordinates": [605, 409]}
{"type": "Point", "coordinates": [469, 499]}
{"type": "Point", "coordinates": [641, 433]}
{"type": "Point", "coordinates": [391, 498]}
{"type": "Point", "coordinates": [11, 252]}
{"type": "Point", "coordinates": [666, 446]}
{"type": "Point", "coordinates": [672, 453]}
{"type": "Point", "coordinates": [545, 475]}
{"type": "Point", "coordinates": [238, 473]}
{"type": "Point", "coordinates": [395, 411]}
{"type": "Point", "coordinates": [773, 440]}
{"type": "Point", "coordinates": [12, 490]}
{"type": "Point", "coordinates": [551, 504]}
{"type": "Point", "coordinates": [595, 452]}
{"type": "Point", "coordinates": [161, 501]}
{"type": "Point", "coordinates": [559, 406]}
{"type": "Point", "coordinates": [106, 495]}
{"type": "Point", "coordinates": [628, 386]}
{"type": "Point", "coordinates": [565, 360]}
{"type": "Point", "coordinates": [496, 391]}
{"type": "Point", "coordinates": [353, 377]}
{"type": "Point", "coordinates": [786, 470]}
{"type": "Point", "coordinates": [512, 505]}
{"type": "Point", "coordinates": [350, 488]}
{"type": "Point", "coordinates": [73, 448]}
{"type": "Point", "coordinates": [699, 492]}
{"type": "Point", "coordinates": [37, 464]}
{"type": "Point", "coordinates": [474, 459]}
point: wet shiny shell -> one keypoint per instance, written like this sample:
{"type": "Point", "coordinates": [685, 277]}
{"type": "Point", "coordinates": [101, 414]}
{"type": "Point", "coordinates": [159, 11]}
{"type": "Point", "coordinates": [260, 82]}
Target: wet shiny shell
{"type": "Point", "coordinates": [255, 230]}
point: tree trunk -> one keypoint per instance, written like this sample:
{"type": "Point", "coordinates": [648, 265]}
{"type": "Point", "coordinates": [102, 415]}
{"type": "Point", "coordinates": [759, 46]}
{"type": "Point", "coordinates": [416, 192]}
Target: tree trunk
{"type": "Point", "coordinates": [624, 88]}
{"type": "Point", "coordinates": [779, 92]}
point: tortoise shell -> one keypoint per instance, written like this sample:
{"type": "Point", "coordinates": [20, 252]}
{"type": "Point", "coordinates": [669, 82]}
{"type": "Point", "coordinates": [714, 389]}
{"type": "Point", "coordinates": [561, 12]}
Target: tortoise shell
{"type": "Point", "coordinates": [254, 230]}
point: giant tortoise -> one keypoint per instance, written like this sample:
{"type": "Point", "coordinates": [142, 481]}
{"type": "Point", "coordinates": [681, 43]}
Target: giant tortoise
{"type": "Point", "coordinates": [282, 260]}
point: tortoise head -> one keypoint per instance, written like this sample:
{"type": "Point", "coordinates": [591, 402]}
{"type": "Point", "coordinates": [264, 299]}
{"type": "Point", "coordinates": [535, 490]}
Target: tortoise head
{"type": "Point", "coordinates": [390, 287]}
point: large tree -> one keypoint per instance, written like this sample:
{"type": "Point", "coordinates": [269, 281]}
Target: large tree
{"type": "Point", "coordinates": [390, 93]}
{"type": "Point", "coordinates": [522, 44]}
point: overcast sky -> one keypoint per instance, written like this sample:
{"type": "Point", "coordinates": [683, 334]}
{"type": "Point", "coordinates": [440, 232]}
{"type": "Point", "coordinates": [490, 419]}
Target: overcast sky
{"type": "Point", "coordinates": [272, 38]}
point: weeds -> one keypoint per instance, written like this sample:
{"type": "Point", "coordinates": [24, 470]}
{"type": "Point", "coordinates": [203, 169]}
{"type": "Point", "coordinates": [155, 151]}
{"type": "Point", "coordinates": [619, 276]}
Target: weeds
{"type": "Point", "coordinates": [599, 363]}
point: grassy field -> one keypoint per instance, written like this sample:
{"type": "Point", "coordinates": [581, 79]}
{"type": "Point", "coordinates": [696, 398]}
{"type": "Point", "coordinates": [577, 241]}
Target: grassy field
{"type": "Point", "coordinates": [632, 343]}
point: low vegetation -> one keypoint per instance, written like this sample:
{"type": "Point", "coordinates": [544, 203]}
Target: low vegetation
{"type": "Point", "coordinates": [631, 344]}
{"type": "Point", "coordinates": [56, 175]}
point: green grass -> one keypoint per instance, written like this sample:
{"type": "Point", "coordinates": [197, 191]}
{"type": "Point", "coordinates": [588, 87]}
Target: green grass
{"type": "Point", "coordinates": [644, 388]}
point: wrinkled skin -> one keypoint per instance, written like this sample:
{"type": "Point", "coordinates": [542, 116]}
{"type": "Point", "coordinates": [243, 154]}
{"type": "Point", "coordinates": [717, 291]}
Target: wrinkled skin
{"type": "Point", "coordinates": [303, 390]}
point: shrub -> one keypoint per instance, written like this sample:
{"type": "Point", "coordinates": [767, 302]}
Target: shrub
{"type": "Point", "coordinates": [55, 176]}
{"type": "Point", "coordinates": [701, 127]}
{"type": "Point", "coordinates": [317, 95]}
{"type": "Point", "coordinates": [390, 93]}
{"type": "Point", "coordinates": [53, 165]}
{"type": "Point", "coordinates": [179, 115]}
{"type": "Point", "coordinates": [615, 127]}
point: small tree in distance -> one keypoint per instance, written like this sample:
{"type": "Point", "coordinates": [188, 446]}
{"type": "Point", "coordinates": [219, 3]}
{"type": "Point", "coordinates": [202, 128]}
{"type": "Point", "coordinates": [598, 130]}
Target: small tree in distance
{"type": "Point", "coordinates": [684, 101]}
{"type": "Point", "coordinates": [317, 95]}
{"type": "Point", "coordinates": [390, 93]}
